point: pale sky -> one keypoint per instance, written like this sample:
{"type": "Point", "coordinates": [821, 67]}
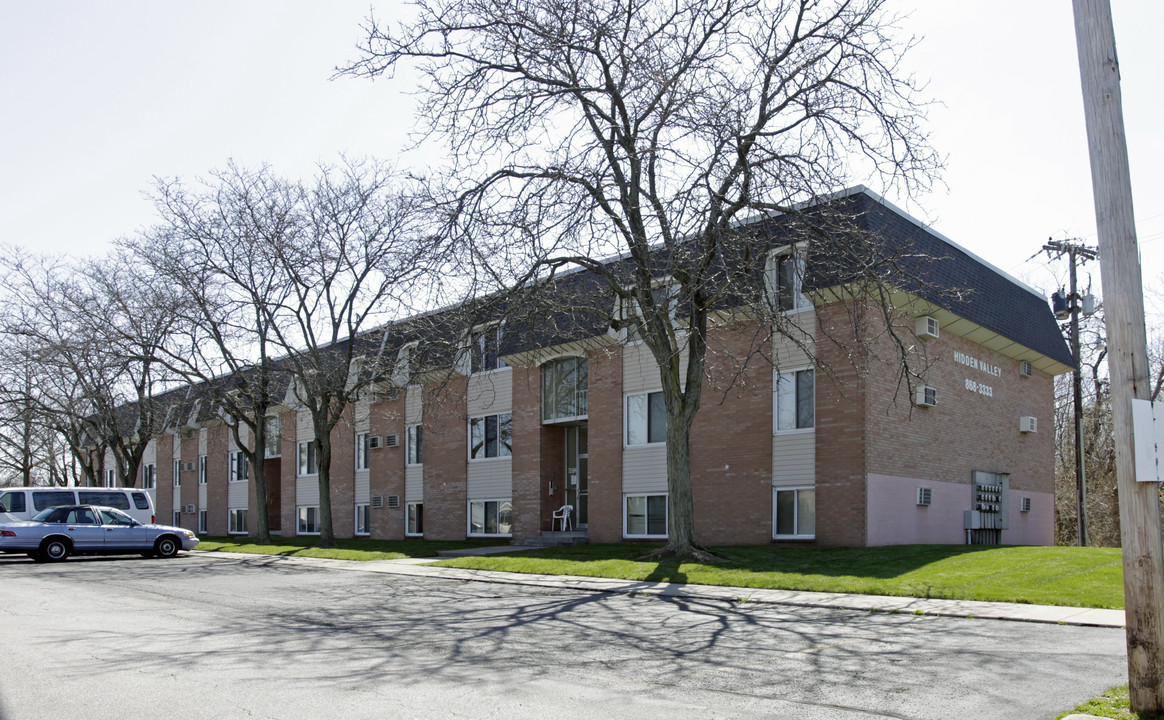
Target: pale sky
{"type": "Point", "coordinates": [98, 98]}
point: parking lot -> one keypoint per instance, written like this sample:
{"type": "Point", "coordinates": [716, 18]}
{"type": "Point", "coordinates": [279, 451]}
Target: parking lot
{"type": "Point", "coordinates": [204, 637]}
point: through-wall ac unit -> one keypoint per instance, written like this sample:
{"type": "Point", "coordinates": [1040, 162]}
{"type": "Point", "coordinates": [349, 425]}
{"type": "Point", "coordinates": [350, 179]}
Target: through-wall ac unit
{"type": "Point", "coordinates": [927, 327]}
{"type": "Point", "coordinates": [392, 440]}
{"type": "Point", "coordinates": [189, 508]}
{"type": "Point", "coordinates": [1025, 505]}
{"type": "Point", "coordinates": [926, 396]}
{"type": "Point", "coordinates": [375, 441]}
{"type": "Point", "coordinates": [377, 501]}
{"type": "Point", "coordinates": [1028, 424]}
{"type": "Point", "coordinates": [1025, 368]}
{"type": "Point", "coordinates": [393, 501]}
{"type": "Point", "coordinates": [187, 467]}
{"type": "Point", "coordinates": [924, 496]}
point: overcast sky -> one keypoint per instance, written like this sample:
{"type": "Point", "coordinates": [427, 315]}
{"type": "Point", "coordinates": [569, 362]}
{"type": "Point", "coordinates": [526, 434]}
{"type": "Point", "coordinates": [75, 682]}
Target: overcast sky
{"type": "Point", "coordinates": [98, 98]}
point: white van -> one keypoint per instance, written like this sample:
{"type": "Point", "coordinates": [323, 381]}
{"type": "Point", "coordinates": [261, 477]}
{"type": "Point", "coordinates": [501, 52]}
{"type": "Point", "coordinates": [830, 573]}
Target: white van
{"type": "Point", "coordinates": [22, 503]}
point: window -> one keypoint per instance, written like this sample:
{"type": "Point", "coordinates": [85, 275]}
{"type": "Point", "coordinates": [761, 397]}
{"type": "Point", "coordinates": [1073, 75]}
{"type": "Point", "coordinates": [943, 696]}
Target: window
{"type": "Point", "coordinates": [794, 513]}
{"type": "Point", "coordinates": [149, 476]}
{"type": "Point", "coordinates": [308, 461]}
{"type": "Point", "coordinates": [42, 499]}
{"type": "Point", "coordinates": [646, 516]}
{"type": "Point", "coordinates": [564, 387]}
{"type": "Point", "coordinates": [362, 451]}
{"type": "Point", "coordinates": [177, 473]}
{"type": "Point", "coordinates": [109, 498]}
{"type": "Point", "coordinates": [491, 436]}
{"type": "Point", "coordinates": [363, 519]}
{"type": "Point", "coordinates": [12, 502]}
{"type": "Point", "coordinates": [111, 478]}
{"type": "Point", "coordinates": [485, 349]}
{"type": "Point", "coordinates": [239, 467]}
{"type": "Point", "coordinates": [177, 519]}
{"type": "Point", "coordinates": [201, 469]}
{"type": "Point", "coordinates": [646, 419]}
{"type": "Point", "coordinates": [414, 436]}
{"type": "Point", "coordinates": [664, 297]}
{"type": "Point", "coordinates": [309, 520]}
{"type": "Point", "coordinates": [415, 519]}
{"type": "Point", "coordinates": [273, 441]}
{"type": "Point", "coordinates": [785, 280]}
{"type": "Point", "coordinates": [237, 522]}
{"type": "Point", "coordinates": [202, 521]}
{"type": "Point", "coordinates": [795, 400]}
{"type": "Point", "coordinates": [490, 517]}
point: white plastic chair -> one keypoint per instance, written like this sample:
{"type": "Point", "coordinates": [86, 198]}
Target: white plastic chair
{"type": "Point", "coordinates": [563, 514]}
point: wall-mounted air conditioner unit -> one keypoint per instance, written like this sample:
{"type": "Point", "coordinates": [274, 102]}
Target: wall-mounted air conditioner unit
{"type": "Point", "coordinates": [926, 396]}
{"type": "Point", "coordinates": [375, 441]}
{"type": "Point", "coordinates": [393, 501]}
{"type": "Point", "coordinates": [189, 508]}
{"type": "Point", "coordinates": [1025, 505]}
{"type": "Point", "coordinates": [1028, 424]}
{"type": "Point", "coordinates": [925, 496]}
{"type": "Point", "coordinates": [392, 440]}
{"type": "Point", "coordinates": [187, 467]}
{"type": "Point", "coordinates": [1025, 368]}
{"type": "Point", "coordinates": [927, 327]}
{"type": "Point", "coordinates": [377, 501]}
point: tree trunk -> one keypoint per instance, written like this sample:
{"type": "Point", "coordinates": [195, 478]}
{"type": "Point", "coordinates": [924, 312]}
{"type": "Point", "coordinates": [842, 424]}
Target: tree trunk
{"type": "Point", "coordinates": [259, 474]}
{"type": "Point", "coordinates": [326, 531]}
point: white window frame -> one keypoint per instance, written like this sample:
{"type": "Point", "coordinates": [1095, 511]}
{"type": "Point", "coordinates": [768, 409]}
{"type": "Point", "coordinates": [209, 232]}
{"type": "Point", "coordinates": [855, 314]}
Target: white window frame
{"type": "Point", "coordinates": [110, 478]}
{"type": "Point", "coordinates": [793, 374]}
{"type": "Point", "coordinates": [632, 315]}
{"type": "Point", "coordinates": [364, 509]}
{"type": "Point", "coordinates": [149, 476]}
{"type": "Point", "coordinates": [626, 408]}
{"type": "Point", "coordinates": [202, 470]}
{"type": "Point", "coordinates": [177, 473]}
{"type": "Point", "coordinates": [410, 516]}
{"type": "Point", "coordinates": [482, 421]}
{"type": "Point", "coordinates": [552, 377]}
{"type": "Point", "coordinates": [233, 516]}
{"type": "Point", "coordinates": [303, 517]}
{"type": "Point", "coordinates": [177, 518]}
{"type": "Point", "coordinates": [202, 521]}
{"type": "Point", "coordinates": [239, 467]}
{"type": "Point", "coordinates": [414, 444]}
{"type": "Point", "coordinates": [363, 455]}
{"type": "Point", "coordinates": [799, 300]}
{"type": "Point", "coordinates": [273, 448]}
{"type": "Point", "coordinates": [476, 343]}
{"type": "Point", "coordinates": [626, 533]}
{"type": "Point", "coordinates": [307, 459]}
{"type": "Point", "coordinates": [484, 502]}
{"type": "Point", "coordinates": [797, 535]}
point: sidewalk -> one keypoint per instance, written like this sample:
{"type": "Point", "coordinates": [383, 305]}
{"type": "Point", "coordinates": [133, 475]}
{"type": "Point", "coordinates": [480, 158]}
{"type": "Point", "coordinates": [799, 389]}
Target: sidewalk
{"type": "Point", "coordinates": [872, 603]}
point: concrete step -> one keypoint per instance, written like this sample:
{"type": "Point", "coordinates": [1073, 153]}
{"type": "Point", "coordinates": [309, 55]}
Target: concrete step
{"type": "Point", "coordinates": [554, 539]}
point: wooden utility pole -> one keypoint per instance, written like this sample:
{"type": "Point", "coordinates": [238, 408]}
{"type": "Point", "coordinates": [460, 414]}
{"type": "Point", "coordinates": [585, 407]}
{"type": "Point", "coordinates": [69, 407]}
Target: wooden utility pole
{"type": "Point", "coordinates": [1074, 252]}
{"type": "Point", "coordinates": [1119, 259]}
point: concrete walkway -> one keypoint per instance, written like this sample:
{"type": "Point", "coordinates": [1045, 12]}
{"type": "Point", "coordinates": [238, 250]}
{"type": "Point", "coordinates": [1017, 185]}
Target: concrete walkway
{"type": "Point", "coordinates": [421, 567]}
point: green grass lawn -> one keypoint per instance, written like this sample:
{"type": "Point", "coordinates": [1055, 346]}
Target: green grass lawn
{"type": "Point", "coordinates": [1112, 704]}
{"type": "Point", "coordinates": [1082, 577]}
{"type": "Point", "coordinates": [349, 549]}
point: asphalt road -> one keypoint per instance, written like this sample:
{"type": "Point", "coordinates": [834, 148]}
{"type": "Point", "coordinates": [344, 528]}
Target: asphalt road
{"type": "Point", "coordinates": [197, 637]}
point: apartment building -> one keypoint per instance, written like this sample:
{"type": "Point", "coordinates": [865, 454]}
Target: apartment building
{"type": "Point", "coordinates": [803, 445]}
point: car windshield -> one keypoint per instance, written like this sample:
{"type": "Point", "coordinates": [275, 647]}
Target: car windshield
{"type": "Point", "coordinates": [110, 516]}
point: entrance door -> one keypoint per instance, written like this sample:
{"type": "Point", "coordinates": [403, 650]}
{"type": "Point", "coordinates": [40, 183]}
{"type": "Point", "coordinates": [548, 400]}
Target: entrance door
{"type": "Point", "coordinates": [576, 474]}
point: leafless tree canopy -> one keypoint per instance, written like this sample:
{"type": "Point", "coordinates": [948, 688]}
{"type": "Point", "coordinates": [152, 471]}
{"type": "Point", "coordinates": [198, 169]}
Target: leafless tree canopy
{"type": "Point", "coordinates": [652, 130]}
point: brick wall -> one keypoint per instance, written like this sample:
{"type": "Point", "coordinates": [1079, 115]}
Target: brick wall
{"type": "Point", "coordinates": [386, 469]}
{"type": "Point", "coordinates": [217, 447]}
{"type": "Point", "coordinates": [605, 444]}
{"type": "Point", "coordinates": [445, 460]}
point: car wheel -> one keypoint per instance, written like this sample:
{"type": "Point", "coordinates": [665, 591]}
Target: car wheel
{"type": "Point", "coordinates": [166, 546]}
{"type": "Point", "coordinates": [54, 550]}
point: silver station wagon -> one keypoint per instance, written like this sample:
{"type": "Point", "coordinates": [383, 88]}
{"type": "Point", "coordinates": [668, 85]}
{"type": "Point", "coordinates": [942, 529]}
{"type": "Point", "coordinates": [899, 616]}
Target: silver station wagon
{"type": "Point", "coordinates": [55, 533]}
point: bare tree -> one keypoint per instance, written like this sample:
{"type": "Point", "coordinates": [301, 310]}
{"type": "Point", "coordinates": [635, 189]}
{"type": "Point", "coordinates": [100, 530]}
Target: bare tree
{"type": "Point", "coordinates": [355, 261]}
{"type": "Point", "coordinates": [215, 246]}
{"type": "Point", "coordinates": [651, 130]}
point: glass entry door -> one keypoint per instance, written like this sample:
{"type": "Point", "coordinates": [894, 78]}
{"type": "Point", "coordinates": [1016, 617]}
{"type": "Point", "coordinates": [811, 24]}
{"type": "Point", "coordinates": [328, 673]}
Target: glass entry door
{"type": "Point", "coordinates": [576, 474]}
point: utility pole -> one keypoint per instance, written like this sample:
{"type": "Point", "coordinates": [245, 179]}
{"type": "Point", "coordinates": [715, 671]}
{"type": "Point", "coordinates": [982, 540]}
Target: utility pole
{"type": "Point", "coordinates": [1123, 293]}
{"type": "Point", "coordinates": [1074, 251]}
